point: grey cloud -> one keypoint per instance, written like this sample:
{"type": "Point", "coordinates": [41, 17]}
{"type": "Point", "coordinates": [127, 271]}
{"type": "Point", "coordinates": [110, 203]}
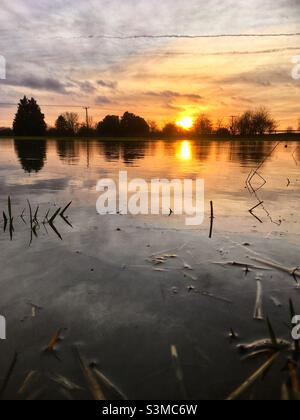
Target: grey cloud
{"type": "Point", "coordinates": [86, 87]}
{"type": "Point", "coordinates": [170, 94]}
{"type": "Point", "coordinates": [262, 76]}
{"type": "Point", "coordinates": [108, 84]}
{"type": "Point", "coordinates": [39, 83]}
{"type": "Point", "coordinates": [102, 100]}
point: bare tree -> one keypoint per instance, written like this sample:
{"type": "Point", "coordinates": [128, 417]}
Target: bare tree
{"type": "Point", "coordinates": [72, 122]}
{"type": "Point", "coordinates": [203, 125]}
{"type": "Point", "coordinates": [258, 122]}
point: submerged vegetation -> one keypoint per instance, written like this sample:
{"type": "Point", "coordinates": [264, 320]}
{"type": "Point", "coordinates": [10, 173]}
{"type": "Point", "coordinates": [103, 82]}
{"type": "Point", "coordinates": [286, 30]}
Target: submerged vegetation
{"type": "Point", "coordinates": [33, 221]}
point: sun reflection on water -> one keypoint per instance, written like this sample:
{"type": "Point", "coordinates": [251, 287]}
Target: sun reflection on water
{"type": "Point", "coordinates": [185, 151]}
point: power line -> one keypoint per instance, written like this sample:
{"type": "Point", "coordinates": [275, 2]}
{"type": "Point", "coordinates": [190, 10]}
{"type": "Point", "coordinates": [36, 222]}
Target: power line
{"type": "Point", "coordinates": [53, 106]}
{"type": "Point", "coordinates": [183, 36]}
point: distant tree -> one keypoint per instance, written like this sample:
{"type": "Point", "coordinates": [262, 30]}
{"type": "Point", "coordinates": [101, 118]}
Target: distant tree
{"type": "Point", "coordinates": [221, 129]}
{"type": "Point", "coordinates": [170, 130]}
{"type": "Point", "coordinates": [133, 125]}
{"type": "Point", "coordinates": [203, 125]}
{"type": "Point", "coordinates": [6, 132]}
{"type": "Point", "coordinates": [109, 127]}
{"type": "Point", "coordinates": [233, 127]}
{"type": "Point", "coordinates": [153, 127]}
{"type": "Point", "coordinates": [85, 131]}
{"type": "Point", "coordinates": [245, 124]}
{"type": "Point", "coordinates": [258, 122]}
{"type": "Point", "coordinates": [72, 122]}
{"type": "Point", "coordinates": [223, 132]}
{"type": "Point", "coordinates": [61, 126]}
{"type": "Point", "coordinates": [220, 124]}
{"type": "Point", "coordinates": [29, 120]}
{"type": "Point", "coordinates": [263, 122]}
{"type": "Point", "coordinates": [51, 132]}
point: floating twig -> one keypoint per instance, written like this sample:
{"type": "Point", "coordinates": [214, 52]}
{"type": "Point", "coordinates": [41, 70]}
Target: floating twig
{"type": "Point", "coordinates": [241, 264]}
{"type": "Point", "coordinates": [53, 342]}
{"type": "Point", "coordinates": [258, 310]}
{"type": "Point", "coordinates": [294, 272]}
{"type": "Point", "coordinates": [212, 296]}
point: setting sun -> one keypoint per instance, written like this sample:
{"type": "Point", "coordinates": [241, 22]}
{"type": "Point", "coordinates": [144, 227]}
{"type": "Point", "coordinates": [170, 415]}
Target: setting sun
{"type": "Point", "coordinates": [186, 123]}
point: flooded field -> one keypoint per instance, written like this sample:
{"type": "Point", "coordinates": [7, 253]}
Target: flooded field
{"type": "Point", "coordinates": [154, 305]}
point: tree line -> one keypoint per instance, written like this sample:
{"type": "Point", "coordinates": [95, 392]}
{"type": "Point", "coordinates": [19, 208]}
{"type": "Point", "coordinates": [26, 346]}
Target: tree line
{"type": "Point", "coordinates": [30, 121]}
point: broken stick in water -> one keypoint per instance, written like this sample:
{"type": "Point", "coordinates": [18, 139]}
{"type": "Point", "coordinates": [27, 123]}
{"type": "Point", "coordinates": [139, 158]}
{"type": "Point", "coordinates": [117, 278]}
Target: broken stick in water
{"type": "Point", "coordinates": [258, 310]}
{"type": "Point", "coordinates": [295, 272]}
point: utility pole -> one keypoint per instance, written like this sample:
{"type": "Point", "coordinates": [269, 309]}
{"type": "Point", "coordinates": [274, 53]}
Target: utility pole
{"type": "Point", "coordinates": [87, 141]}
{"type": "Point", "coordinates": [87, 115]}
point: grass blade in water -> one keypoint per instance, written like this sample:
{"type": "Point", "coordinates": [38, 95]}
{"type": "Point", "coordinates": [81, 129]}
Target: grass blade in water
{"type": "Point", "coordinates": [30, 378]}
{"type": "Point", "coordinates": [62, 213]}
{"type": "Point", "coordinates": [178, 371]}
{"type": "Point", "coordinates": [54, 216]}
{"type": "Point", "coordinates": [8, 375]}
{"type": "Point", "coordinates": [65, 382]}
{"type": "Point", "coordinates": [5, 219]}
{"type": "Point", "coordinates": [9, 210]}
{"type": "Point", "coordinates": [109, 384]}
{"type": "Point", "coordinates": [93, 384]}
{"type": "Point", "coordinates": [272, 333]}
{"type": "Point", "coordinates": [292, 368]}
{"type": "Point", "coordinates": [252, 379]}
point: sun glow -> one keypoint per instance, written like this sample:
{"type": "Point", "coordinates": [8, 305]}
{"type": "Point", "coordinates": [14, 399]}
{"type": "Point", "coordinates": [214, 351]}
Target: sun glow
{"type": "Point", "coordinates": [185, 122]}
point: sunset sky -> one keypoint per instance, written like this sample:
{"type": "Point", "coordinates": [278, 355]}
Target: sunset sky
{"type": "Point", "coordinates": [149, 57]}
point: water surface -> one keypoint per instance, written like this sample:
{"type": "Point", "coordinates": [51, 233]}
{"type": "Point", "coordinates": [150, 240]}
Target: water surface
{"type": "Point", "coordinates": [55, 170]}
{"type": "Point", "coordinates": [95, 280]}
